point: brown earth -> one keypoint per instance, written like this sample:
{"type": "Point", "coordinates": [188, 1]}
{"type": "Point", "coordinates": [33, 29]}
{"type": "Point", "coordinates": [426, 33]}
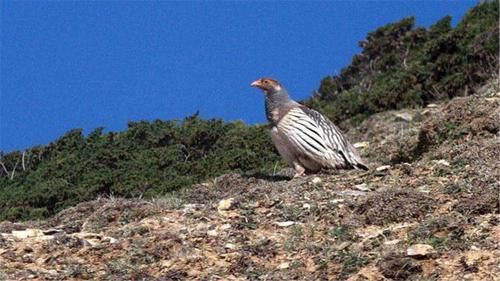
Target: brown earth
{"type": "Point", "coordinates": [432, 213]}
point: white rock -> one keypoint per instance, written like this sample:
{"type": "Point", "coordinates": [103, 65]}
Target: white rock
{"type": "Point", "coordinates": [225, 204]}
{"type": "Point", "coordinates": [432, 105]}
{"type": "Point", "coordinates": [343, 246]}
{"type": "Point", "coordinates": [423, 189]}
{"type": "Point", "coordinates": [30, 232]}
{"type": "Point", "coordinates": [283, 265]}
{"type": "Point", "coordinates": [94, 239]}
{"type": "Point", "coordinates": [46, 237]}
{"type": "Point", "coordinates": [420, 250]}
{"type": "Point", "coordinates": [284, 223]}
{"type": "Point", "coordinates": [362, 187]}
{"type": "Point", "coordinates": [442, 162]}
{"type": "Point", "coordinates": [212, 233]}
{"type": "Point", "coordinates": [392, 242]}
{"type": "Point", "coordinates": [189, 208]}
{"type": "Point", "coordinates": [316, 180]}
{"type": "Point", "coordinates": [306, 206]}
{"type": "Point", "coordinates": [231, 246]}
{"type": "Point", "coordinates": [111, 240]}
{"type": "Point", "coordinates": [427, 112]}
{"type": "Point", "coordinates": [383, 168]}
{"type": "Point", "coordinates": [336, 201]}
{"type": "Point", "coordinates": [351, 193]}
{"type": "Point", "coordinates": [225, 226]}
{"type": "Point", "coordinates": [404, 116]}
{"type": "Point", "coordinates": [361, 144]}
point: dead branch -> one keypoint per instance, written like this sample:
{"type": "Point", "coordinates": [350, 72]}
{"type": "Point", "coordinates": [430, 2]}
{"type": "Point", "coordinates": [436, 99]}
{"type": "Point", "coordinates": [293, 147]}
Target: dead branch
{"type": "Point", "coordinates": [4, 168]}
{"type": "Point", "coordinates": [23, 162]}
{"type": "Point", "coordinates": [14, 170]}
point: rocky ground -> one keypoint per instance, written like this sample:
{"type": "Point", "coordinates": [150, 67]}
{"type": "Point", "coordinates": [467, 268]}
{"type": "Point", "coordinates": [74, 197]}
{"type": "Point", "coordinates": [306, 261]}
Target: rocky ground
{"type": "Point", "coordinates": [427, 210]}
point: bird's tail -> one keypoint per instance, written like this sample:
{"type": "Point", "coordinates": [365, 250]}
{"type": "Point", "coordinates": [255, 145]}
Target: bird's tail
{"type": "Point", "coordinates": [361, 166]}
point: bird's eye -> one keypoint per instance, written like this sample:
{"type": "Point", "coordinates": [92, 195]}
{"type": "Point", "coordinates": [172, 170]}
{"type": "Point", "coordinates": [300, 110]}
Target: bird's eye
{"type": "Point", "coordinates": [265, 81]}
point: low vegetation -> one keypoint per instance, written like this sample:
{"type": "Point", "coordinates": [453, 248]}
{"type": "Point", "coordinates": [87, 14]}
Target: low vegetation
{"type": "Point", "coordinates": [404, 66]}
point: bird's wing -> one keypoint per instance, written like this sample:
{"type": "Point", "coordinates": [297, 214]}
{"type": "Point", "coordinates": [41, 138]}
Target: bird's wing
{"type": "Point", "coordinates": [305, 131]}
{"type": "Point", "coordinates": [335, 140]}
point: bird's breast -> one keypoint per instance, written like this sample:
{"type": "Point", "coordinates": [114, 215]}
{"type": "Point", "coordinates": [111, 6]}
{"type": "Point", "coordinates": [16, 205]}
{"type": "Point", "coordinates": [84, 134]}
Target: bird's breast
{"type": "Point", "coordinates": [274, 115]}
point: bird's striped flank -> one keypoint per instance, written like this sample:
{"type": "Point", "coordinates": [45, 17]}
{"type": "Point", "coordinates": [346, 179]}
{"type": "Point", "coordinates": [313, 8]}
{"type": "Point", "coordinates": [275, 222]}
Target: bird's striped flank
{"type": "Point", "coordinates": [304, 132]}
{"type": "Point", "coordinates": [316, 137]}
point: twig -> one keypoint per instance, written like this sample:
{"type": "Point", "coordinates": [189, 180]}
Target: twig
{"type": "Point", "coordinates": [14, 170]}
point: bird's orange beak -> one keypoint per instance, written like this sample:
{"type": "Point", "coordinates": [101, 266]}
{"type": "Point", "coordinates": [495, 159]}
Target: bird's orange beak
{"type": "Point", "coordinates": [256, 83]}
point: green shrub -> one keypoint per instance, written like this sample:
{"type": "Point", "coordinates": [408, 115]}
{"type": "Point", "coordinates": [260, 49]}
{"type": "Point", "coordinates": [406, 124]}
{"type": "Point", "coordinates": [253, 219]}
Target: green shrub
{"type": "Point", "coordinates": [403, 66]}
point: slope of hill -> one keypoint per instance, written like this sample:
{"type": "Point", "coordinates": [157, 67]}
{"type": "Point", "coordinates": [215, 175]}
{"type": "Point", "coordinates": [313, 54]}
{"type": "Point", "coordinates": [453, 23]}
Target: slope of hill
{"type": "Point", "coordinates": [428, 210]}
{"type": "Point", "coordinates": [403, 66]}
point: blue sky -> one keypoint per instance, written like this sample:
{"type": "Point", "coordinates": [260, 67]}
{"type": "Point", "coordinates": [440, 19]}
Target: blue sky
{"type": "Point", "coordinates": [82, 64]}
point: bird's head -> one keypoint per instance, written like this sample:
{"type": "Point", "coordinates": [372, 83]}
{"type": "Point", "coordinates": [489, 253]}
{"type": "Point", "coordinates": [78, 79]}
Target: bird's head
{"type": "Point", "coordinates": [268, 85]}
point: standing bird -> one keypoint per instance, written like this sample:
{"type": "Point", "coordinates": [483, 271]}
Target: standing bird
{"type": "Point", "coordinates": [306, 140]}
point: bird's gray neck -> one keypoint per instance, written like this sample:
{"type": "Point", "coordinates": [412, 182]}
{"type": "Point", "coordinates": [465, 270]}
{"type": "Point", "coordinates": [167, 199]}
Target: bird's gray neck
{"type": "Point", "coordinates": [275, 102]}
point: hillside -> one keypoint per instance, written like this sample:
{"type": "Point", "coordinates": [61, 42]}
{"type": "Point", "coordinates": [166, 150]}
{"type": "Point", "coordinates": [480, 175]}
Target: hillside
{"type": "Point", "coordinates": [428, 210]}
{"type": "Point", "coordinates": [403, 66]}
{"type": "Point", "coordinates": [400, 66]}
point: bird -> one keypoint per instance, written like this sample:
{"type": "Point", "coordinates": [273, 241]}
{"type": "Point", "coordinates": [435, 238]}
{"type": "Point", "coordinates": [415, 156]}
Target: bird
{"type": "Point", "coordinates": [307, 140]}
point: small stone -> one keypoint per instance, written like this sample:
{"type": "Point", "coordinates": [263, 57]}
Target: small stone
{"type": "Point", "coordinates": [46, 237]}
{"type": "Point", "coordinates": [354, 193]}
{"type": "Point", "coordinates": [111, 240]}
{"type": "Point", "coordinates": [283, 265]}
{"type": "Point", "coordinates": [443, 162]}
{"type": "Point", "coordinates": [190, 208]}
{"type": "Point", "coordinates": [344, 245]}
{"type": "Point", "coordinates": [493, 99]}
{"type": "Point", "coordinates": [403, 116]}
{"type": "Point", "coordinates": [231, 246]}
{"type": "Point", "coordinates": [392, 242]}
{"type": "Point", "coordinates": [361, 144]}
{"type": "Point", "coordinates": [225, 226]}
{"type": "Point", "coordinates": [23, 234]}
{"type": "Point", "coordinates": [201, 226]}
{"type": "Point", "coordinates": [432, 105]}
{"type": "Point", "coordinates": [285, 223]}
{"type": "Point", "coordinates": [362, 187]}
{"type": "Point", "coordinates": [316, 180]}
{"type": "Point", "coordinates": [212, 233]}
{"type": "Point", "coordinates": [383, 168]}
{"type": "Point", "coordinates": [420, 250]}
{"type": "Point", "coordinates": [306, 206]}
{"type": "Point", "coordinates": [225, 204]}
{"type": "Point", "coordinates": [423, 189]}
{"type": "Point", "coordinates": [336, 201]}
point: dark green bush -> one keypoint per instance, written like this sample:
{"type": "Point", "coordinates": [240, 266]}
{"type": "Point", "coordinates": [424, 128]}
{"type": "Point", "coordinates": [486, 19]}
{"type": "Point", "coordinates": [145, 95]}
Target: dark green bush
{"type": "Point", "coordinates": [147, 159]}
{"type": "Point", "coordinates": [403, 66]}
